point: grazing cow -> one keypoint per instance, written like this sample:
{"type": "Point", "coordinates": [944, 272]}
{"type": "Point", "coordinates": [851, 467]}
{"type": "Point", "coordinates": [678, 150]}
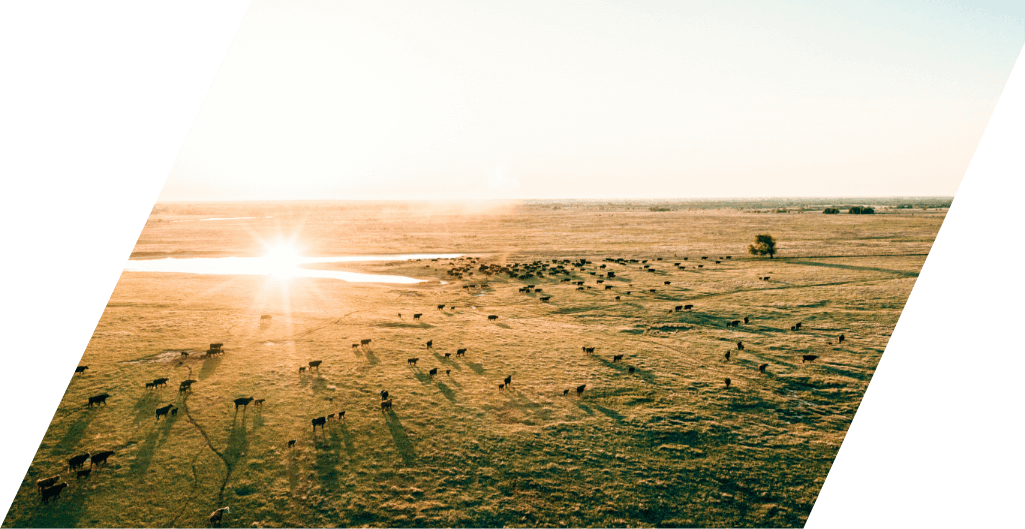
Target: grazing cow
{"type": "Point", "coordinates": [544, 299]}
{"type": "Point", "coordinates": [100, 458]}
{"type": "Point", "coordinates": [291, 443]}
{"type": "Point", "coordinates": [319, 421]}
{"type": "Point", "coordinates": [433, 372]}
{"type": "Point", "coordinates": [76, 462]}
{"type": "Point", "coordinates": [384, 394]}
{"type": "Point", "coordinates": [355, 345]}
{"type": "Point", "coordinates": [727, 355]}
{"type": "Point", "coordinates": [186, 384]}
{"type": "Point", "coordinates": [243, 401]}
{"type": "Point", "coordinates": [841, 339]}
{"type": "Point", "coordinates": [667, 283]}
{"type": "Point", "coordinates": [746, 320]}
{"type": "Point", "coordinates": [330, 416]}
{"type": "Point", "coordinates": [46, 482]}
{"type": "Point", "coordinates": [81, 369]}
{"type": "Point", "coordinates": [162, 412]}
{"type": "Point", "coordinates": [808, 358]}
{"type": "Point", "coordinates": [630, 369]}
{"type": "Point", "coordinates": [492, 317]}
{"type": "Point", "coordinates": [83, 473]}
{"type": "Point", "coordinates": [508, 380]}
{"type": "Point", "coordinates": [617, 298]}
{"type": "Point", "coordinates": [174, 412]}
{"type": "Point", "coordinates": [416, 317]}
{"type": "Point", "coordinates": [565, 392]}
{"type": "Point", "coordinates": [386, 405]}
{"type": "Point", "coordinates": [461, 352]}
{"type": "Point", "coordinates": [701, 266]}
{"type": "Point", "coordinates": [53, 491]}
{"type": "Point", "coordinates": [302, 369]}
{"type": "Point", "coordinates": [678, 308]}
{"type": "Point", "coordinates": [453, 307]}
{"type": "Point", "coordinates": [430, 344]}
{"type": "Point", "coordinates": [589, 350]}
{"type": "Point", "coordinates": [580, 388]}
{"type": "Point", "coordinates": [160, 382]}
{"type": "Point", "coordinates": [580, 288]}
{"type": "Point", "coordinates": [258, 403]}
{"type": "Point", "coordinates": [448, 372]}
{"type": "Point", "coordinates": [98, 399]}
{"type": "Point", "coordinates": [412, 361]}
{"type": "Point", "coordinates": [341, 415]}
{"type": "Point", "coordinates": [215, 517]}
{"type": "Point", "coordinates": [365, 341]}
{"type": "Point", "coordinates": [501, 387]}
{"type": "Point", "coordinates": [315, 364]}
{"type": "Point", "coordinates": [441, 307]}
{"type": "Point", "coordinates": [185, 354]}
{"type": "Point", "coordinates": [448, 355]}
{"type": "Point", "coordinates": [740, 346]}
{"type": "Point", "coordinates": [762, 367]}
{"type": "Point", "coordinates": [798, 326]}
{"type": "Point", "coordinates": [728, 381]}
{"type": "Point", "coordinates": [150, 385]}
{"type": "Point", "coordinates": [617, 358]}
{"type": "Point", "coordinates": [688, 307]}
{"type": "Point", "coordinates": [652, 291]}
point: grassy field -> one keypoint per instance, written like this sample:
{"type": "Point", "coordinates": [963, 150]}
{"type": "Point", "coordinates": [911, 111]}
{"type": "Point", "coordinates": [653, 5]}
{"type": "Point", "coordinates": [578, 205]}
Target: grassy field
{"type": "Point", "coordinates": [666, 445]}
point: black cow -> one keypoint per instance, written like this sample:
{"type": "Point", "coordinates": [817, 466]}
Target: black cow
{"type": "Point", "coordinates": [98, 399]}
{"type": "Point", "coordinates": [762, 367]}
{"type": "Point", "coordinates": [365, 341]}
{"type": "Point", "coordinates": [291, 443]}
{"type": "Point", "coordinates": [740, 346]}
{"type": "Point", "coordinates": [433, 372]}
{"type": "Point", "coordinates": [47, 482]}
{"type": "Point", "coordinates": [441, 307]}
{"type": "Point", "coordinates": [565, 392]}
{"type": "Point", "coordinates": [100, 458]}
{"type": "Point", "coordinates": [417, 316]}
{"type": "Point", "coordinates": [84, 473]}
{"type": "Point", "coordinates": [160, 382]}
{"type": "Point", "coordinates": [501, 387]}
{"type": "Point", "coordinates": [384, 394]}
{"type": "Point", "coordinates": [678, 308]}
{"type": "Point", "coordinates": [319, 421]}
{"type": "Point", "coordinates": [355, 345]}
{"type": "Point", "coordinates": [630, 369]}
{"type": "Point", "coordinates": [798, 326]}
{"type": "Point", "coordinates": [448, 355]}
{"type": "Point", "coordinates": [150, 385]}
{"type": "Point", "coordinates": [841, 338]}
{"type": "Point", "coordinates": [580, 388]}
{"type": "Point", "coordinates": [258, 403]}
{"type": "Point", "coordinates": [544, 299]}
{"type": "Point", "coordinates": [461, 352]}
{"type": "Point", "coordinates": [430, 344]}
{"type": "Point", "coordinates": [728, 381]}
{"type": "Point", "coordinates": [808, 358]}
{"type": "Point", "coordinates": [492, 317]}
{"type": "Point", "coordinates": [243, 402]}
{"type": "Point", "coordinates": [746, 320]}
{"type": "Point", "coordinates": [412, 361]}
{"type": "Point", "coordinates": [302, 369]}
{"type": "Point", "coordinates": [81, 369]}
{"type": "Point", "coordinates": [315, 364]}
{"type": "Point", "coordinates": [727, 355]}
{"type": "Point", "coordinates": [667, 283]}
{"type": "Point", "coordinates": [386, 405]}
{"type": "Point", "coordinates": [508, 380]}
{"type": "Point", "coordinates": [688, 307]}
{"type": "Point", "coordinates": [53, 491]}
{"type": "Point", "coordinates": [76, 462]}
{"type": "Point", "coordinates": [162, 412]}
{"type": "Point", "coordinates": [617, 358]}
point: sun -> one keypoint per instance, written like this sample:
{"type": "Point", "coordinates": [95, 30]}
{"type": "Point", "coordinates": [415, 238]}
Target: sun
{"type": "Point", "coordinates": [281, 260]}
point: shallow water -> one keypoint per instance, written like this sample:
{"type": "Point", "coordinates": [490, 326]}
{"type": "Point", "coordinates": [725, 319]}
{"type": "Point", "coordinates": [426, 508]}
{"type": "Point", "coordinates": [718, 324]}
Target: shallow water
{"type": "Point", "coordinates": [271, 267]}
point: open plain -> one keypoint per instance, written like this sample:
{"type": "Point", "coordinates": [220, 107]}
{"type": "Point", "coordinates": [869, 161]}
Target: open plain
{"type": "Point", "coordinates": [654, 439]}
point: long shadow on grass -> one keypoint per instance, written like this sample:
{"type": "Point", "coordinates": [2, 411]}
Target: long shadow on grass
{"type": "Point", "coordinates": [145, 406]}
{"type": "Point", "coordinates": [74, 433]}
{"type": "Point", "coordinates": [402, 442]}
{"type": "Point", "coordinates": [371, 357]}
{"type": "Point", "coordinates": [327, 447]}
{"type": "Point", "coordinates": [476, 368]}
{"type": "Point", "coordinates": [448, 393]}
{"type": "Point", "coordinates": [210, 366]}
{"type": "Point", "coordinates": [63, 511]}
{"type": "Point", "coordinates": [644, 374]}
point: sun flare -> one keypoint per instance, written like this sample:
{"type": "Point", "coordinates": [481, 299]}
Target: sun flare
{"type": "Point", "coordinates": [281, 261]}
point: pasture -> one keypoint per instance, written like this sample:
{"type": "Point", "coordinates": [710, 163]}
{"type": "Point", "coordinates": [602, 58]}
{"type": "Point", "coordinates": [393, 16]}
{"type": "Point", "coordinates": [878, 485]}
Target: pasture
{"type": "Point", "coordinates": [654, 439]}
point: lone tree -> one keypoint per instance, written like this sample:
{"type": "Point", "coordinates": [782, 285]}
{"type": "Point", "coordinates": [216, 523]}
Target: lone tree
{"type": "Point", "coordinates": [764, 245]}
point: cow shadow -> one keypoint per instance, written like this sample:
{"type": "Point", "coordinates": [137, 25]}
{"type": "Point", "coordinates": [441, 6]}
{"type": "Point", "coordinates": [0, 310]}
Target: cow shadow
{"type": "Point", "coordinates": [424, 378]}
{"type": "Point", "coordinates": [475, 367]}
{"type": "Point", "coordinates": [238, 442]}
{"type": "Point", "coordinates": [73, 434]}
{"type": "Point", "coordinates": [210, 366]}
{"type": "Point", "coordinates": [144, 456]}
{"type": "Point", "coordinates": [612, 414]}
{"type": "Point", "coordinates": [63, 511]}
{"type": "Point", "coordinates": [402, 442]}
{"type": "Point", "coordinates": [446, 391]}
{"type": "Point", "coordinates": [145, 406]}
{"type": "Point", "coordinates": [371, 357]}
{"type": "Point", "coordinates": [347, 439]}
{"type": "Point", "coordinates": [327, 461]}
{"type": "Point", "coordinates": [502, 325]}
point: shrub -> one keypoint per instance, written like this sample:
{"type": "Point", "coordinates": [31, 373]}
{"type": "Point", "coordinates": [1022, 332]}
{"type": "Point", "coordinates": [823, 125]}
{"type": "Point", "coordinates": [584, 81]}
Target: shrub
{"type": "Point", "coordinates": [763, 245]}
{"type": "Point", "coordinates": [831, 211]}
{"type": "Point", "coordinates": [861, 210]}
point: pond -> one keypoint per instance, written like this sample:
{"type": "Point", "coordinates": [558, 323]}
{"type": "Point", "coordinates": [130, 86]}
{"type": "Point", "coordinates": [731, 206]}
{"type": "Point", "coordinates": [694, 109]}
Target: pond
{"type": "Point", "coordinates": [275, 266]}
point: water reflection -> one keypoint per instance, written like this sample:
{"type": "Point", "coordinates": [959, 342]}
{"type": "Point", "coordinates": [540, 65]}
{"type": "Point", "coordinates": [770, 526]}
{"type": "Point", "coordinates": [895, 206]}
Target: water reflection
{"type": "Point", "coordinates": [272, 266]}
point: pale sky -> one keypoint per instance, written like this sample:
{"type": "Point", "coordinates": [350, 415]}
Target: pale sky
{"type": "Point", "coordinates": [552, 99]}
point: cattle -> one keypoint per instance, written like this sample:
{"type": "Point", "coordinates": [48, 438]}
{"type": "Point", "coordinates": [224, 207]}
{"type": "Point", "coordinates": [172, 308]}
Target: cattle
{"type": "Point", "coordinates": [580, 288]}
{"type": "Point", "coordinates": [160, 382]}
{"type": "Point", "coordinates": [544, 299]}
{"type": "Point", "coordinates": [384, 394]}
{"type": "Point", "coordinates": [84, 473]}
{"type": "Point", "coordinates": [565, 392]}
{"type": "Point", "coordinates": [186, 385]}
{"type": "Point", "coordinates": [185, 354]}
{"type": "Point", "coordinates": [433, 372]}
{"type": "Point", "coordinates": [688, 307]}
{"type": "Point", "coordinates": [365, 341]}
{"type": "Point", "coordinates": [174, 412]}
{"type": "Point", "coordinates": [430, 344]}
{"type": "Point", "coordinates": [588, 350]}
{"type": "Point", "coordinates": [53, 491]}
{"type": "Point", "coordinates": [508, 380]}
{"type": "Point", "coordinates": [808, 358]}
{"type": "Point", "coordinates": [701, 266]}
{"type": "Point", "coordinates": [216, 346]}
{"type": "Point", "coordinates": [728, 381]}
{"type": "Point", "coordinates": [330, 416]}
{"type": "Point", "coordinates": [501, 387]}
{"type": "Point", "coordinates": [302, 369]}
{"type": "Point", "coordinates": [150, 385]}
{"type": "Point", "coordinates": [162, 412]}
{"type": "Point", "coordinates": [341, 415]}
{"type": "Point", "coordinates": [100, 458]}
{"type": "Point", "coordinates": [746, 320]}
{"type": "Point", "coordinates": [580, 388]}
{"type": "Point", "coordinates": [600, 281]}
{"type": "Point", "coordinates": [678, 308]}
{"type": "Point", "coordinates": [630, 369]}
{"type": "Point", "coordinates": [265, 317]}
{"type": "Point", "coordinates": [652, 291]}
{"type": "Point", "coordinates": [628, 292]}
{"type": "Point", "coordinates": [798, 326]}
{"type": "Point", "coordinates": [841, 339]}
{"type": "Point", "coordinates": [441, 307]}
{"type": "Point", "coordinates": [417, 316]}
{"type": "Point", "coordinates": [215, 517]}
{"type": "Point", "coordinates": [718, 262]}
{"type": "Point", "coordinates": [81, 369]}
{"type": "Point", "coordinates": [76, 462]}
{"type": "Point", "coordinates": [461, 352]}
{"type": "Point", "coordinates": [291, 443]}
{"type": "Point", "coordinates": [412, 361]}
{"type": "Point", "coordinates": [243, 402]}
{"type": "Point", "coordinates": [453, 307]}
{"type": "Point", "coordinates": [315, 364]}
{"type": "Point", "coordinates": [793, 328]}
{"type": "Point", "coordinates": [319, 421]}
{"type": "Point", "coordinates": [355, 345]}
{"type": "Point", "coordinates": [762, 367]}
{"type": "Point", "coordinates": [46, 482]}
{"type": "Point", "coordinates": [617, 298]}
{"type": "Point", "coordinates": [617, 358]}
{"type": "Point", "coordinates": [727, 355]}
{"type": "Point", "coordinates": [386, 404]}
{"type": "Point", "coordinates": [258, 403]}
{"type": "Point", "coordinates": [492, 317]}
{"type": "Point", "coordinates": [448, 355]}
{"type": "Point", "coordinates": [740, 346]}
{"type": "Point", "coordinates": [98, 399]}
{"type": "Point", "coordinates": [705, 257]}
{"type": "Point", "coordinates": [667, 283]}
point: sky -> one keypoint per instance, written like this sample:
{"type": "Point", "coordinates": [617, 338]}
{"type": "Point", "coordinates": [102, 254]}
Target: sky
{"type": "Point", "coordinates": [322, 99]}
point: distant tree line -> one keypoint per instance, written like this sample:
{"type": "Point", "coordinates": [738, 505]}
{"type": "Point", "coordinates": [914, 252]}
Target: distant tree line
{"type": "Point", "coordinates": [861, 210]}
{"type": "Point", "coordinates": [831, 211]}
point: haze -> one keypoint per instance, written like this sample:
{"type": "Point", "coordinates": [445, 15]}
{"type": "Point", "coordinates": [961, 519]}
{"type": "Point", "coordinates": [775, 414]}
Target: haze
{"type": "Point", "coordinates": [456, 100]}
